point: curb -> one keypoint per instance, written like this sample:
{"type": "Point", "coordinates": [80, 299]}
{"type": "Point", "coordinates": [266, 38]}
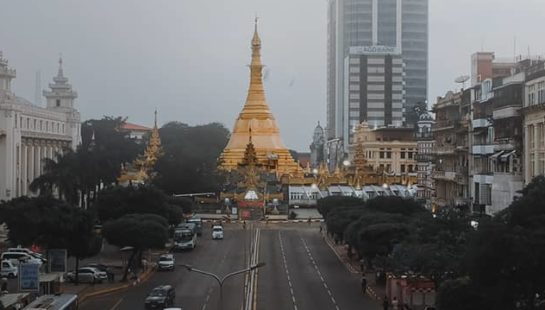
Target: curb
{"type": "Point", "coordinates": [263, 221]}
{"type": "Point", "coordinates": [143, 278]}
{"type": "Point", "coordinates": [351, 269]}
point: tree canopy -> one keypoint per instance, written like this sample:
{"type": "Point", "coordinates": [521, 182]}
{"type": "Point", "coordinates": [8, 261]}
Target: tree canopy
{"type": "Point", "coordinates": [190, 157]}
{"type": "Point", "coordinates": [115, 202]}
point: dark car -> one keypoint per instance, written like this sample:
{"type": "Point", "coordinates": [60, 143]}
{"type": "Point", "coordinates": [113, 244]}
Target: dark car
{"type": "Point", "coordinates": [160, 297]}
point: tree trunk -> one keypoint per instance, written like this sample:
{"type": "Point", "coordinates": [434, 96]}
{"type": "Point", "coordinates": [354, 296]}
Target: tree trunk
{"type": "Point", "coordinates": [76, 279]}
{"type": "Point", "coordinates": [129, 264]}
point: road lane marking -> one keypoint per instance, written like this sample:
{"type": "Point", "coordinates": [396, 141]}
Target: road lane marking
{"type": "Point", "coordinates": [326, 287]}
{"type": "Point", "coordinates": [286, 270]}
{"type": "Point", "coordinates": [117, 304]}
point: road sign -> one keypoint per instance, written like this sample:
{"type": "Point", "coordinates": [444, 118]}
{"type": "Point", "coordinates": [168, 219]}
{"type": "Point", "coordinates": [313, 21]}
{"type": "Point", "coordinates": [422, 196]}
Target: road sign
{"type": "Point", "coordinates": [29, 277]}
{"type": "Point", "coordinates": [57, 260]}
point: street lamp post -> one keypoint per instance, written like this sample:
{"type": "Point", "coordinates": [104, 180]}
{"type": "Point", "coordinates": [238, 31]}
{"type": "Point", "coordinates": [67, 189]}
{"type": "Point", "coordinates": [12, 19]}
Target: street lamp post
{"type": "Point", "coordinates": [222, 280]}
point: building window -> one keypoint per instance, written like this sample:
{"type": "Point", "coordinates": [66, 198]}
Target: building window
{"type": "Point", "coordinates": [381, 154]}
{"type": "Point", "coordinates": [388, 154]}
{"type": "Point", "coordinates": [410, 155]}
{"type": "Point", "coordinates": [58, 102]}
{"type": "Point", "coordinates": [402, 168]}
{"type": "Point", "coordinates": [410, 168]}
{"type": "Point", "coordinates": [34, 125]}
{"type": "Point", "coordinates": [402, 155]}
{"type": "Point", "coordinates": [28, 123]}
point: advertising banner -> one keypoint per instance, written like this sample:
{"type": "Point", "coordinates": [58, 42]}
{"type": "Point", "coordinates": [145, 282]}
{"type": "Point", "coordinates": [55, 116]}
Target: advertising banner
{"type": "Point", "coordinates": [29, 277]}
{"type": "Point", "coordinates": [57, 260]}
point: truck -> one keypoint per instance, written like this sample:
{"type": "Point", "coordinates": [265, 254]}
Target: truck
{"type": "Point", "coordinates": [185, 239]}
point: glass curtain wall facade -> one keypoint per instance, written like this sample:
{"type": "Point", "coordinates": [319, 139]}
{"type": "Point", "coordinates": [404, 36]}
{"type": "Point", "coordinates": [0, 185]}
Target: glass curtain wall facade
{"type": "Point", "coordinates": [394, 23]}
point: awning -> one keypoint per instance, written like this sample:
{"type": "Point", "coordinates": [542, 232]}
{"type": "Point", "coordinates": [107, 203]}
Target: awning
{"type": "Point", "coordinates": [505, 157]}
{"type": "Point", "coordinates": [495, 156]}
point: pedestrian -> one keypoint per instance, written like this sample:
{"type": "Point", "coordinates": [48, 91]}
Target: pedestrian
{"type": "Point", "coordinates": [385, 303]}
{"type": "Point", "coordinates": [308, 221]}
{"type": "Point", "coordinates": [244, 224]}
{"type": "Point", "coordinates": [363, 284]}
{"type": "Point", "coordinates": [320, 228]}
{"type": "Point", "coordinates": [395, 304]}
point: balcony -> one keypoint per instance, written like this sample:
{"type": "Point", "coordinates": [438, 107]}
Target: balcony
{"type": "Point", "coordinates": [506, 112]}
{"type": "Point", "coordinates": [481, 123]}
{"type": "Point", "coordinates": [423, 157]}
{"type": "Point", "coordinates": [504, 145]}
{"type": "Point", "coordinates": [486, 149]}
{"type": "Point", "coordinates": [444, 175]}
{"type": "Point", "coordinates": [444, 150]}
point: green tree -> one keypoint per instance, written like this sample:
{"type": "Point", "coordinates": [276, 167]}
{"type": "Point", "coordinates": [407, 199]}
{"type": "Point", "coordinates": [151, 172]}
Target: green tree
{"type": "Point", "coordinates": [139, 231]}
{"type": "Point", "coordinates": [51, 223]}
{"type": "Point", "coordinates": [115, 202]}
{"type": "Point", "coordinates": [328, 203]}
{"type": "Point", "coordinates": [190, 158]}
{"type": "Point", "coordinates": [459, 294]}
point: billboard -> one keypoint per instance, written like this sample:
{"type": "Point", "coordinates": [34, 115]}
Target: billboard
{"type": "Point", "coordinates": [57, 260]}
{"type": "Point", "coordinates": [29, 277]}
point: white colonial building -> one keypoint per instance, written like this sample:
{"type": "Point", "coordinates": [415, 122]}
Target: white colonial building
{"type": "Point", "coordinates": [30, 133]}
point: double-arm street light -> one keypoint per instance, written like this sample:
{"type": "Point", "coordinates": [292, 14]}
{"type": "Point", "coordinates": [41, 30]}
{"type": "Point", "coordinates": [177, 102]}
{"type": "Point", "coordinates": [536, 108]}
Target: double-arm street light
{"type": "Point", "coordinates": [222, 280]}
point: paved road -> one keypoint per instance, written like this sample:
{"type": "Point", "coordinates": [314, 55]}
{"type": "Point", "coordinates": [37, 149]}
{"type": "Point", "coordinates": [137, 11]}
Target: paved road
{"type": "Point", "coordinates": [301, 273]}
{"type": "Point", "coordinates": [193, 291]}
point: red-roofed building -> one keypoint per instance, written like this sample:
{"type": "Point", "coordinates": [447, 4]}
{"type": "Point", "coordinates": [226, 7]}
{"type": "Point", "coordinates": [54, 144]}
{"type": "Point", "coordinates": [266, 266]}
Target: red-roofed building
{"type": "Point", "coordinates": [135, 131]}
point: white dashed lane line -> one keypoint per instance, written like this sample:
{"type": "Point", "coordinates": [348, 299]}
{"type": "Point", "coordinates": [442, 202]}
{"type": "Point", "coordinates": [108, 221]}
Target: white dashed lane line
{"type": "Point", "coordinates": [326, 287]}
{"type": "Point", "coordinates": [287, 271]}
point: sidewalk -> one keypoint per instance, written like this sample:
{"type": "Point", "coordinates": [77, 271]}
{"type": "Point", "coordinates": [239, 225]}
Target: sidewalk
{"type": "Point", "coordinates": [353, 265]}
{"type": "Point", "coordinates": [116, 261]}
{"type": "Point", "coordinates": [85, 290]}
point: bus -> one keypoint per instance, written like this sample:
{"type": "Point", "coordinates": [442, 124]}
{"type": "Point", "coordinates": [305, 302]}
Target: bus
{"type": "Point", "coordinates": [54, 302]}
{"type": "Point", "coordinates": [198, 222]}
{"type": "Point", "coordinates": [185, 239]}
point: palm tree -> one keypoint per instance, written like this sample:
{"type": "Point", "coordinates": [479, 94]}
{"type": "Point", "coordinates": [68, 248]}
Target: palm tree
{"type": "Point", "coordinates": [61, 176]}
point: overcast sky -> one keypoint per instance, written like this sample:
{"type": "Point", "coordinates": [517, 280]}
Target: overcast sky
{"type": "Point", "coordinates": [188, 58]}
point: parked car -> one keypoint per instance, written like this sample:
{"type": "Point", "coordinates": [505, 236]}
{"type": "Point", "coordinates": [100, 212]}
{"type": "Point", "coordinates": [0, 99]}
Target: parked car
{"type": "Point", "coordinates": [28, 251]}
{"type": "Point", "coordinates": [166, 262]}
{"type": "Point", "coordinates": [17, 257]}
{"type": "Point", "coordinates": [217, 232]}
{"type": "Point", "coordinates": [101, 267]}
{"type": "Point", "coordinates": [160, 297]}
{"type": "Point", "coordinates": [8, 269]}
{"type": "Point", "coordinates": [87, 274]}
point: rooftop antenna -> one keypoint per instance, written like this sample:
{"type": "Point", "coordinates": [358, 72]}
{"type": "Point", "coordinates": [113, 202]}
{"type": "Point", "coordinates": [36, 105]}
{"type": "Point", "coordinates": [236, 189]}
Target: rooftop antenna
{"type": "Point", "coordinates": [38, 90]}
{"type": "Point", "coordinates": [515, 49]}
{"type": "Point", "coordinates": [462, 80]}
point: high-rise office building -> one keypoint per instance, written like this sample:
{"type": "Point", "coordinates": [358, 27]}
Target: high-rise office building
{"type": "Point", "coordinates": [398, 25]}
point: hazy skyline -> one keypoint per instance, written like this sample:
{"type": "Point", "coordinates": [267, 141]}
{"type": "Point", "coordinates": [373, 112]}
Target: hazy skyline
{"type": "Point", "coordinates": [188, 59]}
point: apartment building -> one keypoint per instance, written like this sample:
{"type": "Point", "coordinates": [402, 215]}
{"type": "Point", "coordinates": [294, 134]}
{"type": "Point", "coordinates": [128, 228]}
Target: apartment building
{"type": "Point", "coordinates": [451, 150]}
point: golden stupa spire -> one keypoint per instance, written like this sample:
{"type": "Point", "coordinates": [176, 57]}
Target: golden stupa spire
{"type": "Point", "coordinates": [256, 124]}
{"type": "Point", "coordinates": [256, 104]}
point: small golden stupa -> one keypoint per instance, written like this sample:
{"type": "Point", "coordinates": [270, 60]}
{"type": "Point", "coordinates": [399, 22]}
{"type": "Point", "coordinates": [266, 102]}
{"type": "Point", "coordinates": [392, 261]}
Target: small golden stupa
{"type": "Point", "coordinates": [140, 170]}
{"type": "Point", "coordinates": [257, 121]}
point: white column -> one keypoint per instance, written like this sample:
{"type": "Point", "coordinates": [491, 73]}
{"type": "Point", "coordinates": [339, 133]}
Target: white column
{"type": "Point", "coordinates": [27, 169]}
{"type": "Point", "coordinates": [38, 171]}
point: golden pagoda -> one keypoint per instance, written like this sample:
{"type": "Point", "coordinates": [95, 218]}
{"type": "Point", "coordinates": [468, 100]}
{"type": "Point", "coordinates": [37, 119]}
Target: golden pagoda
{"type": "Point", "coordinates": [256, 121]}
{"type": "Point", "coordinates": [141, 169]}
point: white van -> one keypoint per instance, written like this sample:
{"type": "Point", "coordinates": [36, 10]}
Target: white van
{"type": "Point", "coordinates": [17, 257]}
{"type": "Point", "coordinates": [8, 269]}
